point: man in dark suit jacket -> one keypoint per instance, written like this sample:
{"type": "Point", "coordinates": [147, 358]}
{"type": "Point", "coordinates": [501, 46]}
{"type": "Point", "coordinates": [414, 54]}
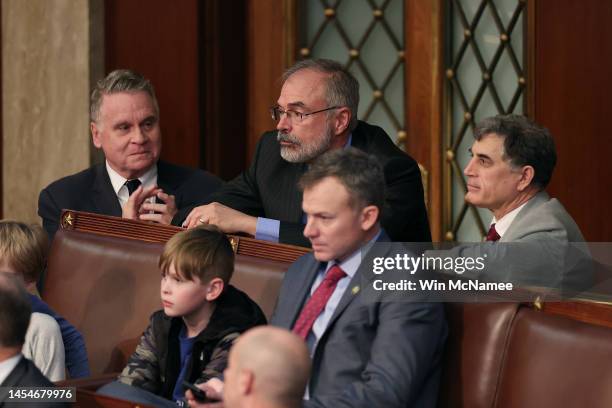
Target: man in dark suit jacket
{"type": "Point", "coordinates": [316, 112]}
{"type": "Point", "coordinates": [368, 349]}
{"type": "Point", "coordinates": [16, 370]}
{"type": "Point", "coordinates": [132, 182]}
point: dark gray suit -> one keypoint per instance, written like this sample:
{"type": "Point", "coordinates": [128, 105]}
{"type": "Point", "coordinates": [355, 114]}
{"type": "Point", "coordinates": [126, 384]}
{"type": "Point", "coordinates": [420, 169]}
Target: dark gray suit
{"type": "Point", "coordinates": [91, 190]}
{"type": "Point", "coordinates": [373, 353]}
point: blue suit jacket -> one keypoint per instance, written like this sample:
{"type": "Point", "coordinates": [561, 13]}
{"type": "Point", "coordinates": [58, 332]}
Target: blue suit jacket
{"type": "Point", "coordinates": [373, 353]}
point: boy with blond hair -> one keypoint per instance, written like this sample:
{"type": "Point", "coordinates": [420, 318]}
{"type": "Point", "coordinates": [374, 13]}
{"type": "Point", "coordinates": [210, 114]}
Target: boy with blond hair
{"type": "Point", "coordinates": [189, 340]}
{"type": "Point", "coordinates": [23, 251]}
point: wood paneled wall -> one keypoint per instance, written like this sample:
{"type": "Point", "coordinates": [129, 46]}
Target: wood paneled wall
{"type": "Point", "coordinates": [223, 86]}
{"type": "Point", "coordinates": [1, 137]}
{"type": "Point", "coordinates": [424, 64]}
{"type": "Point", "coordinates": [194, 53]}
{"type": "Point", "coordinates": [571, 66]}
{"type": "Point", "coordinates": [159, 39]}
{"type": "Point", "coordinates": [271, 40]}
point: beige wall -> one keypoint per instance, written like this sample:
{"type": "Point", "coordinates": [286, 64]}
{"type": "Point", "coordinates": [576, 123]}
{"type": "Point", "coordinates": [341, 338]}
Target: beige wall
{"type": "Point", "coordinates": [48, 52]}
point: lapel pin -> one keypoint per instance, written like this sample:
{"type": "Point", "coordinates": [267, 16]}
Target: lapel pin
{"type": "Point", "coordinates": [355, 290]}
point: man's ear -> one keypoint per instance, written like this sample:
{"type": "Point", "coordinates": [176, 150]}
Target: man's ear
{"type": "Point", "coordinates": [246, 381]}
{"type": "Point", "coordinates": [342, 120]}
{"type": "Point", "coordinates": [369, 217]}
{"type": "Point", "coordinates": [527, 174]}
{"type": "Point", "coordinates": [95, 135]}
{"type": "Point", "coordinates": [215, 288]}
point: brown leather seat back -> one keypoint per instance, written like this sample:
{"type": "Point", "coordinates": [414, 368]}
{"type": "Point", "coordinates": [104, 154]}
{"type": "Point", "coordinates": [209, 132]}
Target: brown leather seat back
{"type": "Point", "coordinates": [556, 362]}
{"type": "Point", "coordinates": [106, 287]}
{"type": "Point", "coordinates": [478, 334]}
{"type": "Point", "coordinates": [261, 279]}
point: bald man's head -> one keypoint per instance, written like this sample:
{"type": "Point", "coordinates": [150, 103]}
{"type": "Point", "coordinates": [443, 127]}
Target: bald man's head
{"type": "Point", "coordinates": [268, 366]}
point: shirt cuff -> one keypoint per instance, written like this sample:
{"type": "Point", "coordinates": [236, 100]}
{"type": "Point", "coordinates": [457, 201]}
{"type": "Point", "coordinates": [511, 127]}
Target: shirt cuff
{"type": "Point", "coordinates": [267, 229]}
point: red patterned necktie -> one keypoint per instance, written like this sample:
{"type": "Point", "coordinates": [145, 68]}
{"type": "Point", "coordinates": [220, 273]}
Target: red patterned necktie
{"type": "Point", "coordinates": [315, 305]}
{"type": "Point", "coordinates": [492, 235]}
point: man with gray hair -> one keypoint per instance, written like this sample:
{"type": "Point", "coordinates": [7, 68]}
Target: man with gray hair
{"type": "Point", "coordinates": [532, 240]}
{"type": "Point", "coordinates": [15, 369]}
{"type": "Point", "coordinates": [512, 162]}
{"type": "Point", "coordinates": [316, 112]}
{"type": "Point", "coordinates": [132, 182]}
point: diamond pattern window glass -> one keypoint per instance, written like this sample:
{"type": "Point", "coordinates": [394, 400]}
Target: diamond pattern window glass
{"type": "Point", "coordinates": [367, 37]}
{"type": "Point", "coordinates": [485, 76]}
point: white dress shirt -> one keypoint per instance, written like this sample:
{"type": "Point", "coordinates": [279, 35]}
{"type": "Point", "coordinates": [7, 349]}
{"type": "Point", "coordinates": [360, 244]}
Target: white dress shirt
{"type": "Point", "coordinates": [8, 365]}
{"type": "Point", "coordinates": [502, 225]}
{"type": "Point", "coordinates": [147, 180]}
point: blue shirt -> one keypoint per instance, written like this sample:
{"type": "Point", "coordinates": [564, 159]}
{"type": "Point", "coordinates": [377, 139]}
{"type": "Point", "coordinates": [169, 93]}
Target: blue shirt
{"type": "Point", "coordinates": [186, 347]}
{"type": "Point", "coordinates": [74, 345]}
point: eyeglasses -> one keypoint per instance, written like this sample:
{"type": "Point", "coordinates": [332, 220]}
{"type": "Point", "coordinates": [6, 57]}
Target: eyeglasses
{"type": "Point", "coordinates": [294, 116]}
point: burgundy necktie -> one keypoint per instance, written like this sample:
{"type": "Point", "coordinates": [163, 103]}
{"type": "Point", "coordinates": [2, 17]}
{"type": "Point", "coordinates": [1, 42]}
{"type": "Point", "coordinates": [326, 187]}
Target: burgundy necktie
{"type": "Point", "coordinates": [492, 235]}
{"type": "Point", "coordinates": [317, 301]}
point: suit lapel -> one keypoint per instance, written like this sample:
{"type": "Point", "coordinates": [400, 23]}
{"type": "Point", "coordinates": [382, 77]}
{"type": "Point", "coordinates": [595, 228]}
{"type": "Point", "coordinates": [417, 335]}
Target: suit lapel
{"type": "Point", "coordinates": [303, 284]}
{"type": "Point", "coordinates": [349, 295]}
{"type": "Point", "coordinates": [354, 288]}
{"type": "Point", "coordinates": [516, 227]}
{"type": "Point", "coordinates": [165, 179]}
{"type": "Point", "coordinates": [104, 197]}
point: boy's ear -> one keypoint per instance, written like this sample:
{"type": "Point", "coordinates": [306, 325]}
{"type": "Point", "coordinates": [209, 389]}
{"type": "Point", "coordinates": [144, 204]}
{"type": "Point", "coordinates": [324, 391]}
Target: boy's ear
{"type": "Point", "coordinates": [214, 289]}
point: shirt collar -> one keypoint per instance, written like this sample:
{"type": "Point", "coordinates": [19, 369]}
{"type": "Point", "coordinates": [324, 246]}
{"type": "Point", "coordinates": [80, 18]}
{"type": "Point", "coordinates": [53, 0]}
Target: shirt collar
{"type": "Point", "coordinates": [118, 181]}
{"type": "Point", "coordinates": [7, 366]}
{"type": "Point", "coordinates": [502, 225]}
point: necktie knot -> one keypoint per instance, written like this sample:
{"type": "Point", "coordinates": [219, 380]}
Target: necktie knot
{"type": "Point", "coordinates": [132, 185]}
{"type": "Point", "coordinates": [492, 235]}
{"type": "Point", "coordinates": [334, 274]}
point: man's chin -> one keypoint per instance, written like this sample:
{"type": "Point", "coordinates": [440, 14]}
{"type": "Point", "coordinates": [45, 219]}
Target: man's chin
{"type": "Point", "coordinates": [321, 256]}
{"type": "Point", "coordinates": [140, 165]}
{"type": "Point", "coordinates": [291, 154]}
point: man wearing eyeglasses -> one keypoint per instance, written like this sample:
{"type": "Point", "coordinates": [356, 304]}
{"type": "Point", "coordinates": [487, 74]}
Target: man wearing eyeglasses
{"type": "Point", "coordinates": [316, 112]}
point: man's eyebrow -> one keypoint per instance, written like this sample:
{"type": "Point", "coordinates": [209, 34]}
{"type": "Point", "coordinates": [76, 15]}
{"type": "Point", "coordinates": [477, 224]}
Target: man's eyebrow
{"type": "Point", "coordinates": [152, 118]}
{"type": "Point", "coordinates": [483, 156]}
{"type": "Point", "coordinates": [121, 123]}
{"type": "Point", "coordinates": [298, 104]}
{"type": "Point", "coordinates": [479, 155]}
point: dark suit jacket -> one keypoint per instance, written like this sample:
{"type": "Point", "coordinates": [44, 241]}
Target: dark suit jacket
{"type": "Point", "coordinates": [373, 353]}
{"type": "Point", "coordinates": [91, 191]}
{"type": "Point", "coordinates": [268, 188]}
{"type": "Point", "coordinates": [25, 374]}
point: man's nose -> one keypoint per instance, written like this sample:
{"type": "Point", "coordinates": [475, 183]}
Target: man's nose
{"type": "Point", "coordinates": [284, 124]}
{"type": "Point", "coordinates": [469, 168]}
{"type": "Point", "coordinates": [139, 135]}
{"type": "Point", "coordinates": [310, 229]}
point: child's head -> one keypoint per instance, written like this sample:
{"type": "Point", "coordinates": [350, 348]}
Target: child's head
{"type": "Point", "coordinates": [196, 265]}
{"type": "Point", "coordinates": [23, 250]}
